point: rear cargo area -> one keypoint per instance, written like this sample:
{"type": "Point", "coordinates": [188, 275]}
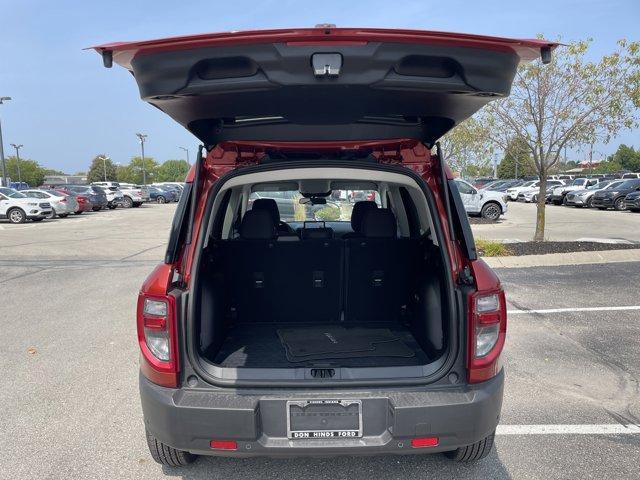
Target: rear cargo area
{"type": "Point", "coordinates": [312, 300]}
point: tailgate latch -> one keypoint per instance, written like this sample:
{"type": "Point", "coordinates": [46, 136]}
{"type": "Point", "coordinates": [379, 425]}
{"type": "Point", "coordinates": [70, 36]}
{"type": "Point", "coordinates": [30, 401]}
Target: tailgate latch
{"type": "Point", "coordinates": [326, 64]}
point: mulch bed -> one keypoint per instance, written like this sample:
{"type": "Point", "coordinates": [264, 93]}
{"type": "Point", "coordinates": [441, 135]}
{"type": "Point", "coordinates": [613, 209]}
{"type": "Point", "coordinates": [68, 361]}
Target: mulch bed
{"type": "Point", "coordinates": [539, 248]}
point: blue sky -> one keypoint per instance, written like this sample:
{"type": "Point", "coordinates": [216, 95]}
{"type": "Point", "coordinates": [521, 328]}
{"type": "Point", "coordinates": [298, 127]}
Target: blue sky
{"type": "Point", "coordinates": [67, 108]}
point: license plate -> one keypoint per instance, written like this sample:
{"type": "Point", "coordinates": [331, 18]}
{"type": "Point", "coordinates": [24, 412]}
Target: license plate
{"type": "Point", "coordinates": [318, 419]}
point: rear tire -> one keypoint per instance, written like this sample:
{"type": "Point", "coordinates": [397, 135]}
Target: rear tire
{"type": "Point", "coordinates": [127, 202]}
{"type": "Point", "coordinates": [136, 205]}
{"type": "Point", "coordinates": [64, 215]}
{"type": "Point", "coordinates": [491, 211]}
{"type": "Point", "coordinates": [161, 199]}
{"type": "Point", "coordinates": [112, 207]}
{"type": "Point", "coordinates": [473, 452]}
{"type": "Point", "coordinates": [619, 204]}
{"type": "Point", "coordinates": [96, 209]}
{"type": "Point", "coordinates": [52, 215]}
{"type": "Point", "coordinates": [166, 455]}
{"type": "Point", "coordinates": [79, 212]}
{"type": "Point", "coordinates": [590, 202]}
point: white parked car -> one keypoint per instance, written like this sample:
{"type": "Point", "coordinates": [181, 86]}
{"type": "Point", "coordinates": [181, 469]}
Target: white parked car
{"type": "Point", "coordinates": [61, 205]}
{"type": "Point", "coordinates": [133, 195]}
{"type": "Point", "coordinates": [530, 194]}
{"type": "Point", "coordinates": [18, 208]}
{"type": "Point", "coordinates": [115, 197]}
{"type": "Point", "coordinates": [488, 204]}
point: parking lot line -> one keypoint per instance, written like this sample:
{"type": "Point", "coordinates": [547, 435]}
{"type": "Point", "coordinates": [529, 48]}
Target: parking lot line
{"type": "Point", "coordinates": [577, 309]}
{"type": "Point", "coordinates": [602, 429]}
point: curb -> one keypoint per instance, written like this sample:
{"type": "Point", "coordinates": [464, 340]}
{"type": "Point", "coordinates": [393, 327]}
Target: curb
{"type": "Point", "coordinates": [559, 259]}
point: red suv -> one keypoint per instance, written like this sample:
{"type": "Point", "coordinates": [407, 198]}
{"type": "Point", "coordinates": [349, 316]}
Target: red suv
{"type": "Point", "coordinates": [376, 329]}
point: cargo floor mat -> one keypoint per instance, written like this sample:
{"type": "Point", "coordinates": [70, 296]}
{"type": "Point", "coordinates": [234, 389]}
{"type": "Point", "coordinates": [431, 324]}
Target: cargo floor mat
{"type": "Point", "coordinates": [335, 342]}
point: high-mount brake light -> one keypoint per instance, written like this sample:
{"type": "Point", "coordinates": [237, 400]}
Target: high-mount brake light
{"type": "Point", "coordinates": [487, 332]}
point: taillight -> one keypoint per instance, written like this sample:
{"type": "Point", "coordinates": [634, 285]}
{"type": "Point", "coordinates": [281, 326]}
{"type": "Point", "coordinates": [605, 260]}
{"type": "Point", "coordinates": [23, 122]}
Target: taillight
{"type": "Point", "coordinates": [487, 331]}
{"type": "Point", "coordinates": [157, 337]}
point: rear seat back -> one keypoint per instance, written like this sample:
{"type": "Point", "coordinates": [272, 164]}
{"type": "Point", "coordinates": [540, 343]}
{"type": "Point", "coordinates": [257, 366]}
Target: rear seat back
{"type": "Point", "coordinates": [282, 282]}
{"type": "Point", "coordinates": [378, 270]}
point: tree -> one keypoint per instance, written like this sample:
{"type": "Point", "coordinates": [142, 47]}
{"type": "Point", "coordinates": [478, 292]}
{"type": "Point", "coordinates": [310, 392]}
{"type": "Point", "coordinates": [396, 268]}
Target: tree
{"type": "Point", "coordinates": [173, 171]}
{"type": "Point", "coordinates": [102, 170]}
{"type": "Point", "coordinates": [608, 166]}
{"type": "Point", "coordinates": [516, 152]}
{"type": "Point", "coordinates": [627, 158]}
{"type": "Point", "coordinates": [133, 172]}
{"type": "Point", "coordinates": [569, 102]}
{"type": "Point", "coordinates": [30, 171]}
{"type": "Point", "coordinates": [467, 148]}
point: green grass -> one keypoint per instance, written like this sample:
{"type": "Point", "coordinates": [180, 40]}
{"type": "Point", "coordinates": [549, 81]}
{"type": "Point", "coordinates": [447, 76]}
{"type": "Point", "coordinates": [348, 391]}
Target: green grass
{"type": "Point", "coordinates": [487, 248]}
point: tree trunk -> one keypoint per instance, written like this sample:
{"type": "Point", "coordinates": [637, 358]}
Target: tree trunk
{"type": "Point", "coordinates": [540, 209]}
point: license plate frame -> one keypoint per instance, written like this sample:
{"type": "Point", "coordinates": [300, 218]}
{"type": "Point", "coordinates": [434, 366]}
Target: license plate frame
{"type": "Point", "coordinates": [319, 433]}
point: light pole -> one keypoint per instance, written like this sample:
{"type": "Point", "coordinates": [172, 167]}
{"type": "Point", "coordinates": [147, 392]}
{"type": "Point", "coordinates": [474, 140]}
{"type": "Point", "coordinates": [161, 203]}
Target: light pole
{"type": "Point", "coordinates": [18, 147]}
{"type": "Point", "coordinates": [187, 151]}
{"type": "Point", "coordinates": [4, 165]}
{"type": "Point", "coordinates": [104, 159]}
{"type": "Point", "coordinates": [143, 138]}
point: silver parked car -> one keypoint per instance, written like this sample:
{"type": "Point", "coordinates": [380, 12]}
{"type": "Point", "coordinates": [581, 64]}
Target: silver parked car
{"type": "Point", "coordinates": [583, 198]}
{"type": "Point", "coordinates": [61, 204]}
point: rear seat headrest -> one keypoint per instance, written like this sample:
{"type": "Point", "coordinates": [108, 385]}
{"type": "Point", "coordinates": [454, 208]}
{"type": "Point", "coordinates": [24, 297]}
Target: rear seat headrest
{"type": "Point", "coordinates": [269, 205]}
{"type": "Point", "coordinates": [258, 225]}
{"type": "Point", "coordinates": [379, 223]}
{"type": "Point", "coordinates": [357, 214]}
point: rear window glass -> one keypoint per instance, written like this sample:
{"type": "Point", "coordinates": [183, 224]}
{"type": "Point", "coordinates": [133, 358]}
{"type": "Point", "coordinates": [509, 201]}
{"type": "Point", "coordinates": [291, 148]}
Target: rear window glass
{"type": "Point", "coordinates": [337, 206]}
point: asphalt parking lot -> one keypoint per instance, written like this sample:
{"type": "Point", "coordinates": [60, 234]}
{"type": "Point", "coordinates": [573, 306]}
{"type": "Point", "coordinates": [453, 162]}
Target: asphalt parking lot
{"type": "Point", "coordinates": [563, 224]}
{"type": "Point", "coordinates": [70, 405]}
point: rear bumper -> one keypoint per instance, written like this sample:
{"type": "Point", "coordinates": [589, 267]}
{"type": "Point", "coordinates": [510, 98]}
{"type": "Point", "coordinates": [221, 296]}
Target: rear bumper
{"type": "Point", "coordinates": [188, 419]}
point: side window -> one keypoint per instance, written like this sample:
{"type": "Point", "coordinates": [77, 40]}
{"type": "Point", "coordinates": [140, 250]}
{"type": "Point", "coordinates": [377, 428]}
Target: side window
{"type": "Point", "coordinates": [464, 187]}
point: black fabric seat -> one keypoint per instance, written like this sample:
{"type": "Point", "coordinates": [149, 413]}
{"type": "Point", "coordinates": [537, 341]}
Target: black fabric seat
{"type": "Point", "coordinates": [282, 282]}
{"type": "Point", "coordinates": [379, 270]}
{"type": "Point", "coordinates": [357, 215]}
{"type": "Point", "coordinates": [271, 206]}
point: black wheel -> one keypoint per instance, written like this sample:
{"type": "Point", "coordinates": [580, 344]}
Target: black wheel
{"type": "Point", "coordinates": [590, 202]}
{"type": "Point", "coordinates": [471, 453]}
{"type": "Point", "coordinates": [619, 204]}
{"type": "Point", "coordinates": [96, 209]}
{"type": "Point", "coordinates": [112, 207]}
{"type": "Point", "coordinates": [602, 208]}
{"type": "Point", "coordinates": [161, 199]}
{"type": "Point", "coordinates": [127, 202]}
{"type": "Point", "coordinates": [136, 205]}
{"type": "Point", "coordinates": [15, 215]}
{"type": "Point", "coordinates": [166, 455]}
{"type": "Point", "coordinates": [491, 211]}
{"type": "Point", "coordinates": [52, 214]}
{"type": "Point", "coordinates": [64, 215]}
{"type": "Point", "coordinates": [534, 199]}
{"type": "Point", "coordinates": [79, 212]}
{"type": "Point", "coordinates": [557, 202]}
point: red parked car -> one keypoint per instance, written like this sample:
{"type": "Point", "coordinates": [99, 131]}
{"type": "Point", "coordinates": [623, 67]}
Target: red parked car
{"type": "Point", "coordinates": [84, 204]}
{"type": "Point", "coordinates": [378, 335]}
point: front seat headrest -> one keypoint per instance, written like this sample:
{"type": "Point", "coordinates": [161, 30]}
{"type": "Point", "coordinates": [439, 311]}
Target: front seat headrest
{"type": "Point", "coordinates": [357, 214]}
{"type": "Point", "coordinates": [379, 223]}
{"type": "Point", "coordinates": [268, 204]}
{"type": "Point", "coordinates": [258, 225]}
